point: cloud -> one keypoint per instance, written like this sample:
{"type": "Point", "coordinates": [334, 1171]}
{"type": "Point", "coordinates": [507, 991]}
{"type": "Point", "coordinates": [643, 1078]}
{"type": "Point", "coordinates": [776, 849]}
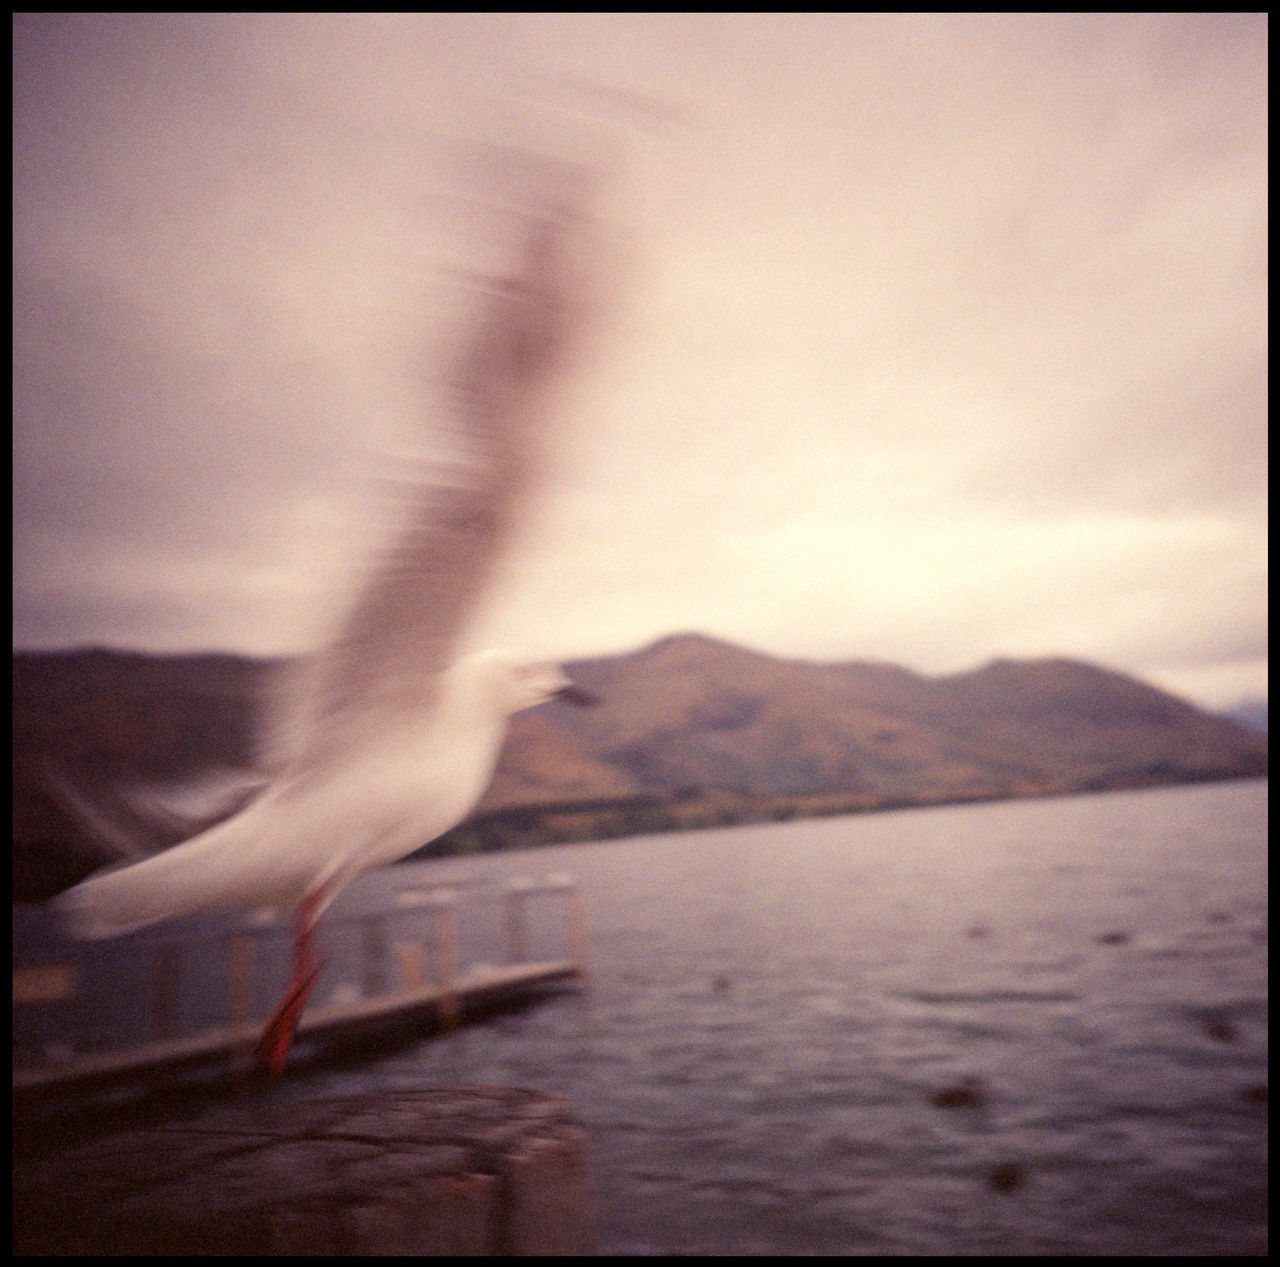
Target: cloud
{"type": "Point", "coordinates": [947, 335]}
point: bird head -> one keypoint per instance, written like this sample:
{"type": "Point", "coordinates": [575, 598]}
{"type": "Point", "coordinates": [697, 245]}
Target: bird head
{"type": "Point", "coordinates": [515, 684]}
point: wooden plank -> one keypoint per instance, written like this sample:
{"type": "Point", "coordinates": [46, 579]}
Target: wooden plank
{"type": "Point", "coordinates": [485, 986]}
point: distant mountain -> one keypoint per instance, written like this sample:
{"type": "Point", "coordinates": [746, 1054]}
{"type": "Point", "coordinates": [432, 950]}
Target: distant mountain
{"type": "Point", "coordinates": [691, 711]}
{"type": "Point", "coordinates": [689, 731]}
{"type": "Point", "coordinates": [1252, 713]}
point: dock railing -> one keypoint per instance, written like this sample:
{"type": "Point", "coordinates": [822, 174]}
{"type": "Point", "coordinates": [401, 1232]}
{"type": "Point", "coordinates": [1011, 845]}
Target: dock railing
{"type": "Point", "coordinates": [428, 984]}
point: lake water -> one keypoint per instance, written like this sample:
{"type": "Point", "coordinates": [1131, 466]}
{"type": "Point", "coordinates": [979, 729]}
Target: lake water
{"type": "Point", "coordinates": [773, 1009]}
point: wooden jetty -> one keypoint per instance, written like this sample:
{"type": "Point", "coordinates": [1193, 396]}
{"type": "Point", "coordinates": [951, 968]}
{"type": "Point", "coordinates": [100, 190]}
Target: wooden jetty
{"type": "Point", "coordinates": [437, 997]}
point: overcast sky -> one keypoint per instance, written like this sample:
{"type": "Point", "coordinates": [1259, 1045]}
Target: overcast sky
{"type": "Point", "coordinates": [943, 338]}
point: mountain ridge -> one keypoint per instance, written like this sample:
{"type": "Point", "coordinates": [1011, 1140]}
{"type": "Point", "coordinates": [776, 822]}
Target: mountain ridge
{"type": "Point", "coordinates": [691, 730]}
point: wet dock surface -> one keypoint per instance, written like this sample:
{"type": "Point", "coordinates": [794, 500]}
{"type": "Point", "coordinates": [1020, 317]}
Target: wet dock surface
{"type": "Point", "coordinates": [464, 1170]}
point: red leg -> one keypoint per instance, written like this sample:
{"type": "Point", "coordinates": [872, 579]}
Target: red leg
{"type": "Point", "coordinates": [278, 1034]}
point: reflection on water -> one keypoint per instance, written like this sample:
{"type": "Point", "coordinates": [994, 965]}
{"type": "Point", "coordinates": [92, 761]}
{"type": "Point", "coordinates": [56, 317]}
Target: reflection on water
{"type": "Point", "coordinates": [1033, 1027]}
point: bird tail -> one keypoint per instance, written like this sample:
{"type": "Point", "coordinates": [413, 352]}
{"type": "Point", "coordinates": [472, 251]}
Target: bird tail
{"type": "Point", "coordinates": [117, 900]}
{"type": "Point", "coordinates": [175, 882]}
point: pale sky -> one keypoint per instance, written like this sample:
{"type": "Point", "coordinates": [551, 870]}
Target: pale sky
{"type": "Point", "coordinates": [941, 338]}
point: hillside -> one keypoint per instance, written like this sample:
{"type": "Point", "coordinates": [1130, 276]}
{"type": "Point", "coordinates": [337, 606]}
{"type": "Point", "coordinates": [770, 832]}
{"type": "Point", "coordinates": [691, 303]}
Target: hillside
{"type": "Point", "coordinates": [689, 711]}
{"type": "Point", "coordinates": [689, 731]}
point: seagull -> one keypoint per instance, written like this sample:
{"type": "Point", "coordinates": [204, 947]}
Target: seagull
{"type": "Point", "coordinates": [387, 736]}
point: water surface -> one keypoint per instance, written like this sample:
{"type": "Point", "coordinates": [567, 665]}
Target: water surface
{"type": "Point", "coordinates": [1025, 1028]}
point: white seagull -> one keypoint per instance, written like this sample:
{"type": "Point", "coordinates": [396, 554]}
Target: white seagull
{"type": "Point", "coordinates": [384, 740]}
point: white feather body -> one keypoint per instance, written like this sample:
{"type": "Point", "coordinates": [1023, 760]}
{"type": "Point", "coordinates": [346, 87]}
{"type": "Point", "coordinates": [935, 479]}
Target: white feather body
{"type": "Point", "coordinates": [382, 741]}
{"type": "Point", "coordinates": [318, 828]}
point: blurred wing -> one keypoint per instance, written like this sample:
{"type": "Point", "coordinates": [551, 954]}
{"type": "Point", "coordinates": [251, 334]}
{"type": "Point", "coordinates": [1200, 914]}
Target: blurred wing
{"type": "Point", "coordinates": [98, 823]}
{"type": "Point", "coordinates": [386, 661]}
{"type": "Point", "coordinates": [136, 821]}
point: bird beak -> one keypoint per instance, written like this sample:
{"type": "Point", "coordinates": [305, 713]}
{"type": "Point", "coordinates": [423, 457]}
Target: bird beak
{"type": "Point", "coordinates": [576, 695]}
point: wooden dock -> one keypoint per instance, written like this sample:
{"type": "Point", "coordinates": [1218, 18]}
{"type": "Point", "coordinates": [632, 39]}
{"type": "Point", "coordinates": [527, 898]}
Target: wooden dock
{"type": "Point", "coordinates": [417, 1005]}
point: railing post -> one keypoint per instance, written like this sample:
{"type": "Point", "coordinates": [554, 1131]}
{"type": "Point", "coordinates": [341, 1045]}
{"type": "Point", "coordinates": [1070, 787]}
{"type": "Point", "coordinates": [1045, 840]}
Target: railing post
{"type": "Point", "coordinates": [165, 962]}
{"type": "Point", "coordinates": [517, 920]}
{"type": "Point", "coordinates": [576, 916]}
{"type": "Point", "coordinates": [444, 936]}
{"type": "Point", "coordinates": [240, 954]}
{"type": "Point", "coordinates": [373, 949]}
{"type": "Point", "coordinates": [411, 970]}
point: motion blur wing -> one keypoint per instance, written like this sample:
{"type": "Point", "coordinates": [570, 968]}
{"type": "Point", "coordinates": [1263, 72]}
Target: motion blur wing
{"type": "Point", "coordinates": [136, 819]}
{"type": "Point", "coordinates": [386, 660]}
